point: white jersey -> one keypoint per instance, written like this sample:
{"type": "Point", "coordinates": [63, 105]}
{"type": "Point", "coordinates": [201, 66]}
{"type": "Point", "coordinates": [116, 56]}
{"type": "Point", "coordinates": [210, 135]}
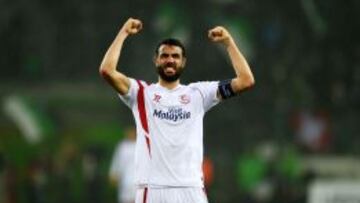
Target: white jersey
{"type": "Point", "coordinates": [169, 127]}
{"type": "Point", "coordinates": [123, 167]}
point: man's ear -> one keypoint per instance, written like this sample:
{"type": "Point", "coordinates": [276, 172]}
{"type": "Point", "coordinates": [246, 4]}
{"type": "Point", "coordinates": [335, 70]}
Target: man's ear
{"type": "Point", "coordinates": [184, 62]}
{"type": "Point", "coordinates": [154, 59]}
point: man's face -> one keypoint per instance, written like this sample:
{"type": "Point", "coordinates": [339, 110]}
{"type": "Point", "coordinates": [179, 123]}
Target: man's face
{"type": "Point", "coordinates": [170, 62]}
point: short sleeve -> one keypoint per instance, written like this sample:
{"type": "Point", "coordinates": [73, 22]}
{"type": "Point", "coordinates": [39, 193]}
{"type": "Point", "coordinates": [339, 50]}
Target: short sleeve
{"type": "Point", "coordinates": [130, 98]}
{"type": "Point", "coordinates": [208, 91]}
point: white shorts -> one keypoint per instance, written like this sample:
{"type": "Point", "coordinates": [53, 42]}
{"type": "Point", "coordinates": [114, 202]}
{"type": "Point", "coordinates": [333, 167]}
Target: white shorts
{"type": "Point", "coordinates": [171, 195]}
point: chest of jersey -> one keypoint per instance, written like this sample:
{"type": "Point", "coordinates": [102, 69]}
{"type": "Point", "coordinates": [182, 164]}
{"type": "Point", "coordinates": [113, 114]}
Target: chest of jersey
{"type": "Point", "coordinates": [173, 107]}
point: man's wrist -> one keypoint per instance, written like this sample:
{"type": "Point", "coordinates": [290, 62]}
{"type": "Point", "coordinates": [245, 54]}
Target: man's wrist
{"type": "Point", "coordinates": [123, 34]}
{"type": "Point", "coordinates": [228, 42]}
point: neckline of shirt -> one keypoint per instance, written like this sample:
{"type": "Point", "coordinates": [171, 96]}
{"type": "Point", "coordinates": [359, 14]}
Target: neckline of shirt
{"type": "Point", "coordinates": [169, 90]}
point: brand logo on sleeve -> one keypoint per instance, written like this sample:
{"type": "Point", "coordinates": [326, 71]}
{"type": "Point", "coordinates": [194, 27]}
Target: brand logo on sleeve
{"type": "Point", "coordinates": [156, 98]}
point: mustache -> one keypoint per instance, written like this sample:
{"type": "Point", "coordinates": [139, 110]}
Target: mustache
{"type": "Point", "coordinates": [170, 64]}
{"type": "Point", "coordinates": [162, 74]}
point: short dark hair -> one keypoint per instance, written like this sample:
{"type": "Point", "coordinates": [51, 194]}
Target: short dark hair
{"type": "Point", "coordinates": [172, 42]}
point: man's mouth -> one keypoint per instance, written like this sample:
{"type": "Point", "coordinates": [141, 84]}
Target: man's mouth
{"type": "Point", "coordinates": [170, 70]}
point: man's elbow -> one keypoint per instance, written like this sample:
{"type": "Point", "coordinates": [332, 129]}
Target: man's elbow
{"type": "Point", "coordinates": [104, 71]}
{"type": "Point", "coordinates": [250, 82]}
{"type": "Point", "coordinates": [244, 84]}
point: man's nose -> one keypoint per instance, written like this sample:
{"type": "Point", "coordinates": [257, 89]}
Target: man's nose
{"type": "Point", "coordinates": [170, 59]}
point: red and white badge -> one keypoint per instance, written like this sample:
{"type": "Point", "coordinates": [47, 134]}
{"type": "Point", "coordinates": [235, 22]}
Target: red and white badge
{"type": "Point", "coordinates": [184, 99]}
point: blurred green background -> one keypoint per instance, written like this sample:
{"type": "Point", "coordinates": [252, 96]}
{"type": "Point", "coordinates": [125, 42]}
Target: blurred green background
{"type": "Point", "coordinates": [60, 122]}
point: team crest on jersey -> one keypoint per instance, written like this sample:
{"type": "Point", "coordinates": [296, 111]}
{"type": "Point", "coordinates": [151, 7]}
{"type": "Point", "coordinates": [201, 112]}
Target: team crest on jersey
{"type": "Point", "coordinates": [156, 98]}
{"type": "Point", "coordinates": [184, 99]}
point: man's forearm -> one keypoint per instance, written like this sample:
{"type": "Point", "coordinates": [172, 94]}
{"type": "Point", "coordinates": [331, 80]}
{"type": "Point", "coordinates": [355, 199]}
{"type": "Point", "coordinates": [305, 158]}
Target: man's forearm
{"type": "Point", "coordinates": [244, 76]}
{"type": "Point", "coordinates": [112, 55]}
{"type": "Point", "coordinates": [109, 63]}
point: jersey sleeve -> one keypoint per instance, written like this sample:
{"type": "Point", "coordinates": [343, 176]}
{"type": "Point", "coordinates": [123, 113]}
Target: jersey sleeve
{"type": "Point", "coordinates": [208, 91]}
{"type": "Point", "coordinates": [130, 98]}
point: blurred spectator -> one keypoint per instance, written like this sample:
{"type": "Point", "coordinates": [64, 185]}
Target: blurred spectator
{"type": "Point", "coordinates": [37, 181]}
{"type": "Point", "coordinates": [312, 130]}
{"type": "Point", "coordinates": [288, 177]}
{"type": "Point", "coordinates": [66, 171]}
{"type": "Point", "coordinates": [208, 170]}
{"type": "Point", "coordinates": [2, 185]}
{"type": "Point", "coordinates": [122, 167]}
{"type": "Point", "coordinates": [91, 170]}
{"type": "Point", "coordinates": [251, 172]}
{"type": "Point", "coordinates": [11, 178]}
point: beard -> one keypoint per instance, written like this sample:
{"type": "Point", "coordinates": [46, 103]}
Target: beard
{"type": "Point", "coordinates": [169, 78]}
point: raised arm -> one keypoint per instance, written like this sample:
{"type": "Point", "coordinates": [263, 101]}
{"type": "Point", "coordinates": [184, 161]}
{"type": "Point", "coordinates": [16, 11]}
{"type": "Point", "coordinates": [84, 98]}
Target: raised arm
{"type": "Point", "coordinates": [108, 71]}
{"type": "Point", "coordinates": [244, 77]}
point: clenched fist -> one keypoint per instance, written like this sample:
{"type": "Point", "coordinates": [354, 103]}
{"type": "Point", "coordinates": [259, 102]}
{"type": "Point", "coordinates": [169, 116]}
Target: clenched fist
{"type": "Point", "coordinates": [219, 34]}
{"type": "Point", "coordinates": [132, 26]}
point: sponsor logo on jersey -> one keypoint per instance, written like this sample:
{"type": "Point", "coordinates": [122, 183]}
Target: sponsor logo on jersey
{"type": "Point", "coordinates": [173, 114]}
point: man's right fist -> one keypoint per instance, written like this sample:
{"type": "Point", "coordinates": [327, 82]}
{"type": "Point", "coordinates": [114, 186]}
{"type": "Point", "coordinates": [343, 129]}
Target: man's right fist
{"type": "Point", "coordinates": [132, 26]}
